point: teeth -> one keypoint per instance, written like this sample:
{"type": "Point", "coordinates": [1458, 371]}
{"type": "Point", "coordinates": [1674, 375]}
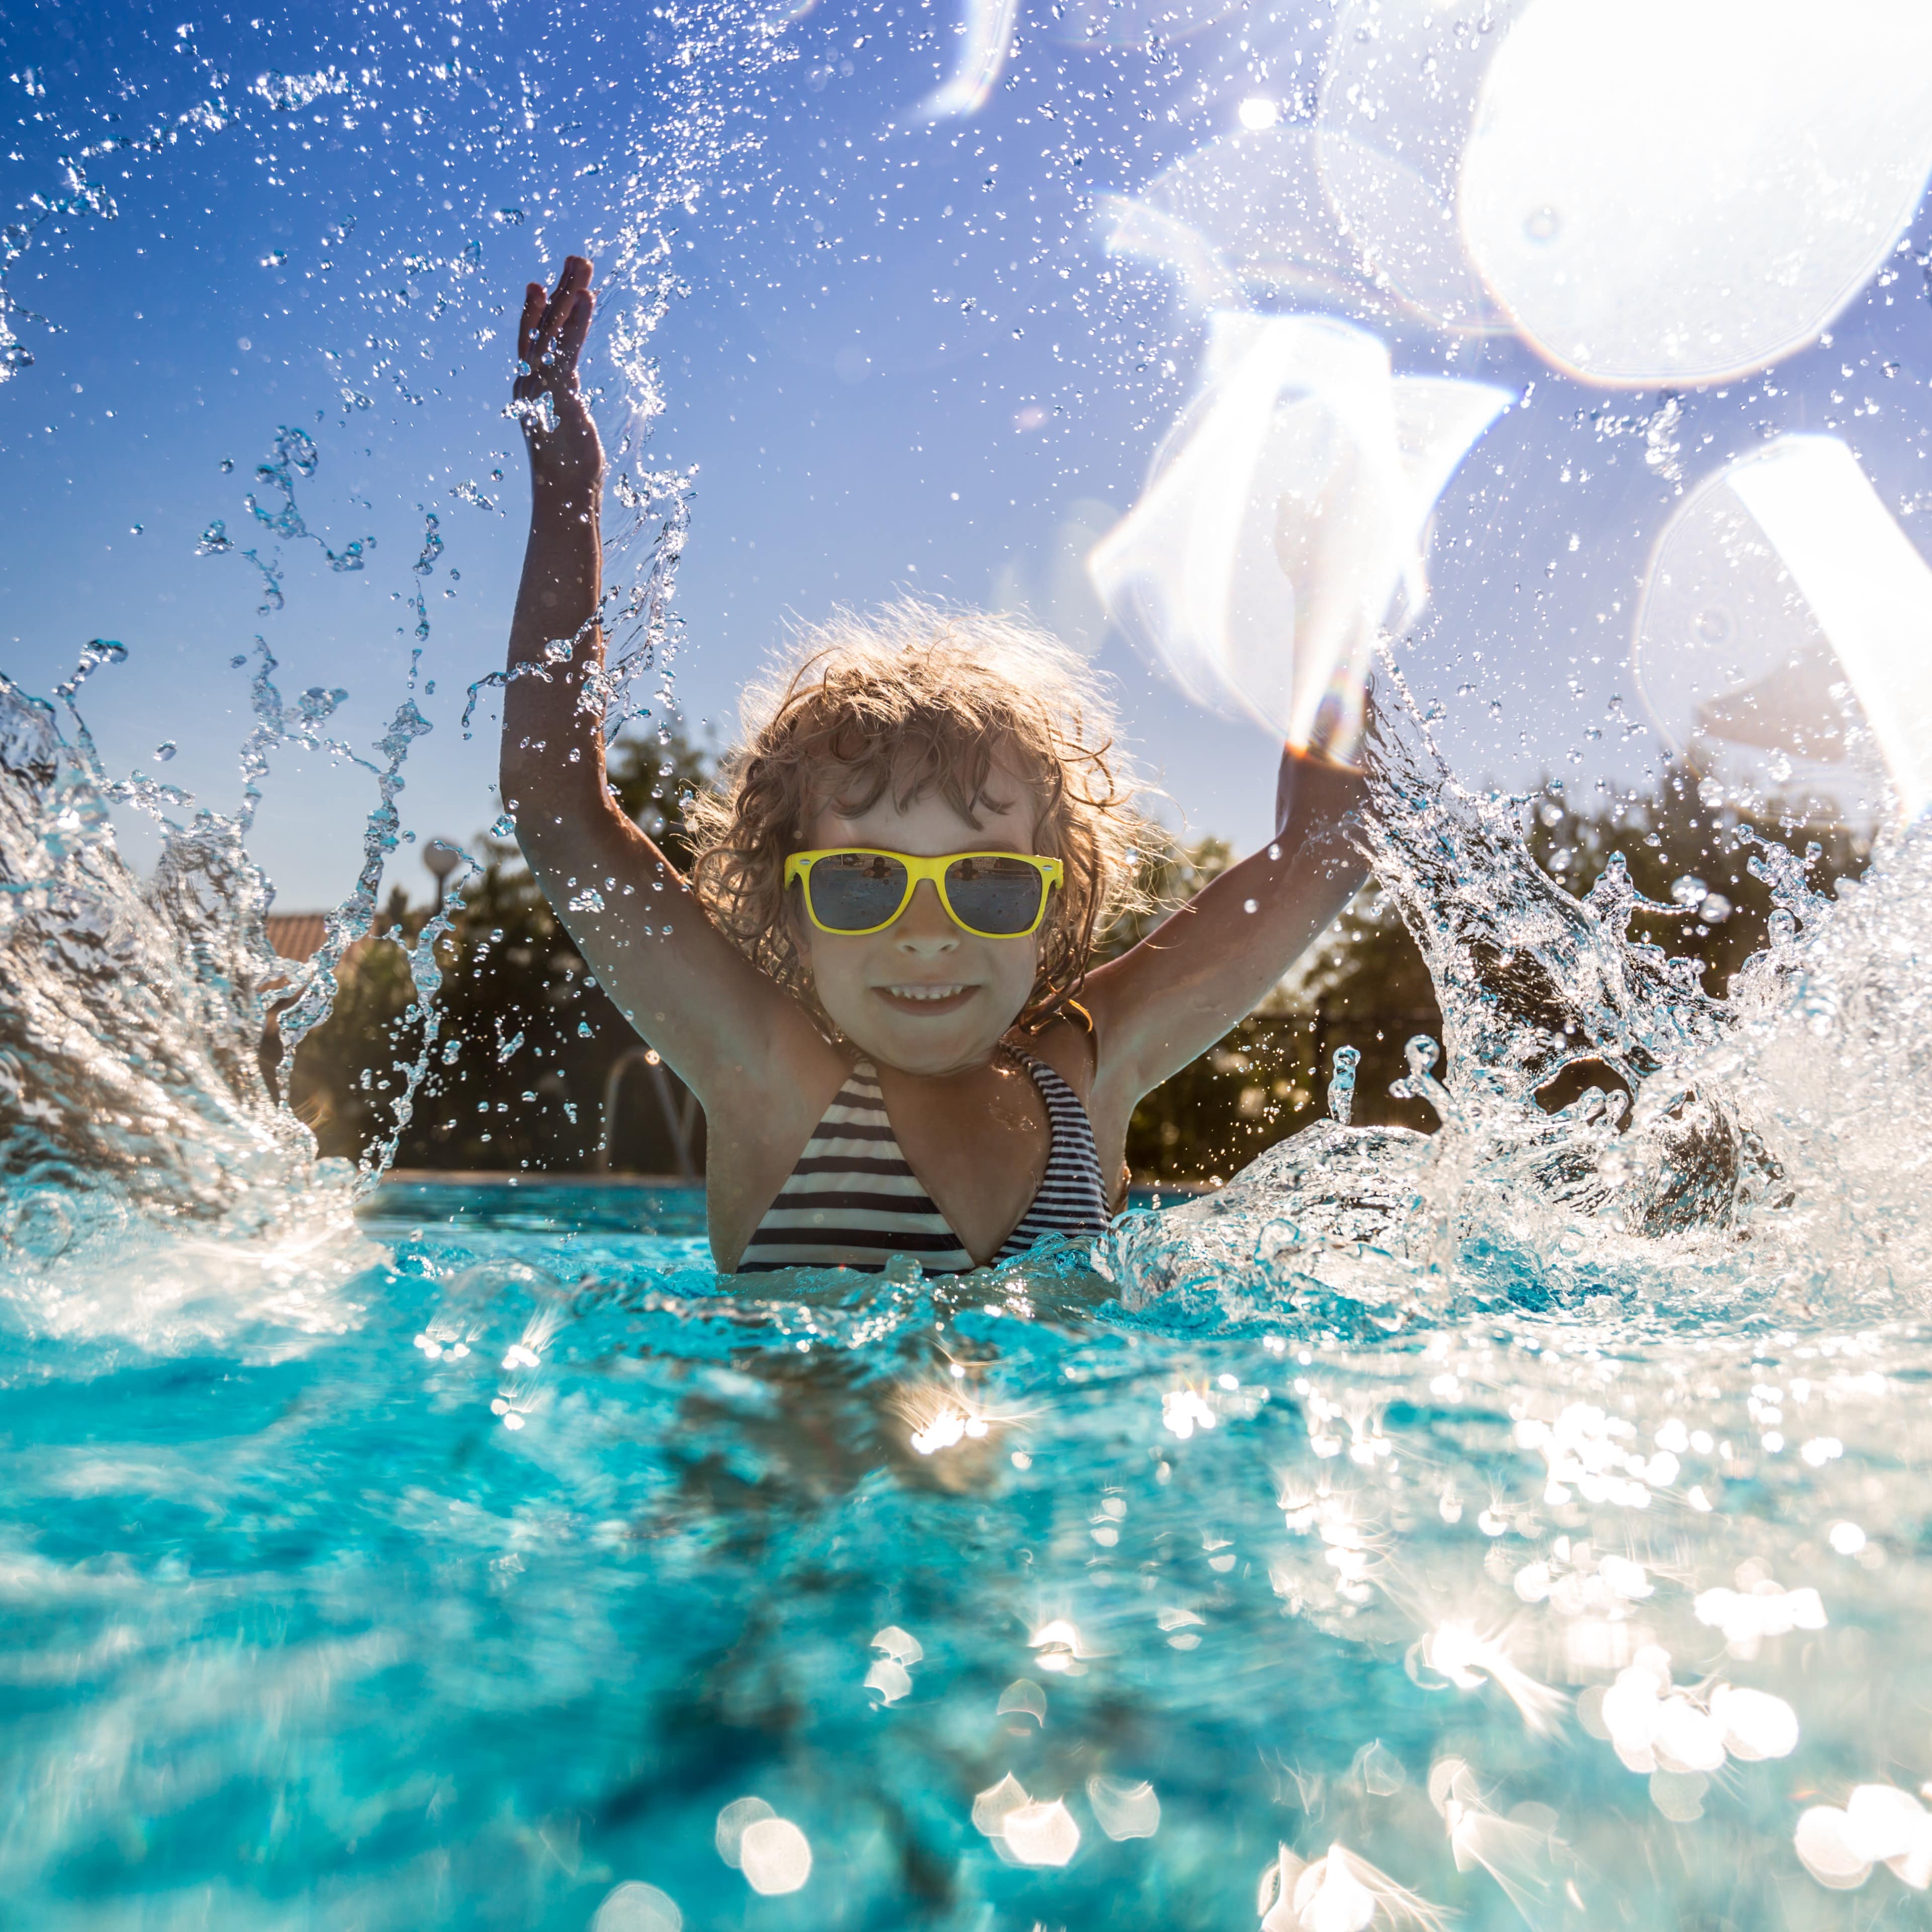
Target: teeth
{"type": "Point", "coordinates": [924, 992]}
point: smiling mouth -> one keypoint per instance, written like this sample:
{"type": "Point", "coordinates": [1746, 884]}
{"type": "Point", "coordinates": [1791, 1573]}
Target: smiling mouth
{"type": "Point", "coordinates": [926, 999]}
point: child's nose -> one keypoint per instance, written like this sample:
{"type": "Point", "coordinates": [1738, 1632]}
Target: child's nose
{"type": "Point", "coordinates": [924, 929]}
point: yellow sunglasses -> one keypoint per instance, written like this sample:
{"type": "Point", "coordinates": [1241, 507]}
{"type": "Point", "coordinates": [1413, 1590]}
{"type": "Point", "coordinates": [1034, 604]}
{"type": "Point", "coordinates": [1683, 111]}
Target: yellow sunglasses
{"type": "Point", "coordinates": [991, 895]}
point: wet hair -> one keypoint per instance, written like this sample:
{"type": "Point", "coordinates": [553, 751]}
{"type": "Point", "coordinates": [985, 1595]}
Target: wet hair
{"type": "Point", "coordinates": [902, 703]}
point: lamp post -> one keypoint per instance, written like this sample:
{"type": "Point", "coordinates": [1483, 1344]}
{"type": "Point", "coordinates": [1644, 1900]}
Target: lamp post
{"type": "Point", "coordinates": [442, 859]}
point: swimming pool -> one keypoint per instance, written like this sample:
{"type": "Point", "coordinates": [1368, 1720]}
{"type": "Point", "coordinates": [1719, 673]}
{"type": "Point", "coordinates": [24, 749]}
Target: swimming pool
{"type": "Point", "coordinates": [478, 1570]}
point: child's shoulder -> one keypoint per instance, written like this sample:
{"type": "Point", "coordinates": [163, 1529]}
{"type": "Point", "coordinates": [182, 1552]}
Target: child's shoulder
{"type": "Point", "coordinates": [1066, 1043]}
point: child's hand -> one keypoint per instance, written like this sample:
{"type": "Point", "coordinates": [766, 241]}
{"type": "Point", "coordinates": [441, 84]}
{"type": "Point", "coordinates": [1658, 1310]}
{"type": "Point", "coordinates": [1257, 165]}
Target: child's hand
{"type": "Point", "coordinates": [562, 440]}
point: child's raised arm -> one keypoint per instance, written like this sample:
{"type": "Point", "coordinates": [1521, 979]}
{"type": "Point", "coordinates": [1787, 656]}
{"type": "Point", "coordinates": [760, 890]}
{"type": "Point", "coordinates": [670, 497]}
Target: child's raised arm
{"type": "Point", "coordinates": [692, 994]}
{"type": "Point", "coordinates": [1161, 1005]}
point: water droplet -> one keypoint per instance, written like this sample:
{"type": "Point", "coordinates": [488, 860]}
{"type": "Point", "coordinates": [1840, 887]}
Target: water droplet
{"type": "Point", "coordinates": [165, 750]}
{"type": "Point", "coordinates": [1342, 1084]}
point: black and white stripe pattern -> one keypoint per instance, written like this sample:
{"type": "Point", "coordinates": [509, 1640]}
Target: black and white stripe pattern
{"type": "Point", "coordinates": [1072, 1199]}
{"type": "Point", "coordinates": [853, 1200]}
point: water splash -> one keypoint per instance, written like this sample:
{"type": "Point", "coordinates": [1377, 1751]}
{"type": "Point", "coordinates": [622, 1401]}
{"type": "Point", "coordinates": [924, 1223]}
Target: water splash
{"type": "Point", "coordinates": [1472, 1399]}
{"type": "Point", "coordinates": [80, 197]}
{"type": "Point", "coordinates": [137, 1050]}
{"type": "Point", "coordinates": [133, 1013]}
{"type": "Point", "coordinates": [1727, 1139]}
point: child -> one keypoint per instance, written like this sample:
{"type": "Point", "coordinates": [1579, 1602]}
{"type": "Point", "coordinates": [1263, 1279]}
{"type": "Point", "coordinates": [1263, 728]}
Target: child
{"type": "Point", "coordinates": [875, 979]}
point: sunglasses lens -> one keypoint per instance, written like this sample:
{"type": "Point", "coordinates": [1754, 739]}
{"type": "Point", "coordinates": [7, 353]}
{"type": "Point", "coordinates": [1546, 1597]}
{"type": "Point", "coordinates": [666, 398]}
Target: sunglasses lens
{"type": "Point", "coordinates": [855, 891]}
{"type": "Point", "coordinates": [998, 897]}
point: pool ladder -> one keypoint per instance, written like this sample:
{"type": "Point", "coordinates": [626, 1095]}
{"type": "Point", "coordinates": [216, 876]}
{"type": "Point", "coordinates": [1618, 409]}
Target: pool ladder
{"type": "Point", "coordinates": [676, 1103]}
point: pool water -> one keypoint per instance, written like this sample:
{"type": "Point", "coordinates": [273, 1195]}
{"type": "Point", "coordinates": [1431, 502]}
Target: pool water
{"type": "Point", "coordinates": [496, 1554]}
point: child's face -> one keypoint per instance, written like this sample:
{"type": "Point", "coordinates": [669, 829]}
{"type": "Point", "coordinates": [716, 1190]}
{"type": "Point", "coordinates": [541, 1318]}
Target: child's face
{"type": "Point", "coordinates": [870, 985]}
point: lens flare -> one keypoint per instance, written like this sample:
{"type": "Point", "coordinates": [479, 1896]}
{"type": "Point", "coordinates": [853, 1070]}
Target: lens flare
{"type": "Point", "coordinates": [1337, 1892]}
{"type": "Point", "coordinates": [986, 41]}
{"type": "Point", "coordinates": [1286, 525]}
{"type": "Point", "coordinates": [1659, 192]}
{"type": "Point", "coordinates": [1516, 1852]}
{"type": "Point", "coordinates": [1244, 215]}
{"type": "Point", "coordinates": [1398, 98]}
{"type": "Point", "coordinates": [1784, 638]}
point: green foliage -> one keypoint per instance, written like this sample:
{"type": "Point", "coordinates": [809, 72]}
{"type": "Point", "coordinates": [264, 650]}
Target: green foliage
{"type": "Point", "coordinates": [653, 775]}
{"type": "Point", "coordinates": [1171, 871]}
{"type": "Point", "coordinates": [516, 1075]}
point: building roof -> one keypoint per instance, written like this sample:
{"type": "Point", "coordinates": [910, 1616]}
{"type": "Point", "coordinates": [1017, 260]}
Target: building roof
{"type": "Point", "coordinates": [297, 935]}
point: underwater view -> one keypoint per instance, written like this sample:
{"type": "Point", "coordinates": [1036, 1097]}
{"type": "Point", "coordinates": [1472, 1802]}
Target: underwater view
{"type": "Point", "coordinates": [1489, 1491]}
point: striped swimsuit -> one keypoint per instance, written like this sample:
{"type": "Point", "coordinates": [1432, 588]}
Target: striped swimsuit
{"type": "Point", "coordinates": [853, 1200]}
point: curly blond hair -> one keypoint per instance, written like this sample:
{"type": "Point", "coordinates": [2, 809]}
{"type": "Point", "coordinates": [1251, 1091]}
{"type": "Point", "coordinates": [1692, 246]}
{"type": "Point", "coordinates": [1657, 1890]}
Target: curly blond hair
{"type": "Point", "coordinates": [904, 702]}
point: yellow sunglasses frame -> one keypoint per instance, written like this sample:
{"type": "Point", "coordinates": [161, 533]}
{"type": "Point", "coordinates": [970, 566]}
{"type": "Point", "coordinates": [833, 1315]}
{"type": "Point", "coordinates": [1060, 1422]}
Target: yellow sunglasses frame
{"type": "Point", "coordinates": [798, 866]}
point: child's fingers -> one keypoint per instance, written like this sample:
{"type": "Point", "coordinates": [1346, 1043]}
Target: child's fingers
{"type": "Point", "coordinates": [558, 307]}
{"type": "Point", "coordinates": [526, 323]}
{"type": "Point", "coordinates": [551, 327]}
{"type": "Point", "coordinates": [576, 327]}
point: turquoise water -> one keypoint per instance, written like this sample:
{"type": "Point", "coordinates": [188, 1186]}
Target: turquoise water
{"type": "Point", "coordinates": [1523, 1521]}
{"type": "Point", "coordinates": [470, 1564]}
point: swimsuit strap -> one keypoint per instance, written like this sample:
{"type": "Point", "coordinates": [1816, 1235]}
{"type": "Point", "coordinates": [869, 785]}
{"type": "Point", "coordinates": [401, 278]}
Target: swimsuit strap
{"type": "Point", "coordinates": [1072, 1198]}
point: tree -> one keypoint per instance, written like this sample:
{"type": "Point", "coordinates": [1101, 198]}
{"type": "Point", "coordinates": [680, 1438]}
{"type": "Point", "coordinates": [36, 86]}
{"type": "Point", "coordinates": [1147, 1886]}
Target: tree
{"type": "Point", "coordinates": [516, 1077]}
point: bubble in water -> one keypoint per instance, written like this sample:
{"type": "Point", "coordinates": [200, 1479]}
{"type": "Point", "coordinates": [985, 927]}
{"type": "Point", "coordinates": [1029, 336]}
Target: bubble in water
{"type": "Point", "coordinates": [635, 1906]}
{"type": "Point", "coordinates": [40, 1225]}
{"type": "Point", "coordinates": [775, 1855]}
{"type": "Point", "coordinates": [733, 1821]}
{"type": "Point", "coordinates": [1039, 1833]}
{"type": "Point", "coordinates": [1023, 1698]}
{"type": "Point", "coordinates": [1124, 1809]}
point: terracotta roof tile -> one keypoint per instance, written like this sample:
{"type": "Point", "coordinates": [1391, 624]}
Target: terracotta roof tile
{"type": "Point", "coordinates": [297, 935]}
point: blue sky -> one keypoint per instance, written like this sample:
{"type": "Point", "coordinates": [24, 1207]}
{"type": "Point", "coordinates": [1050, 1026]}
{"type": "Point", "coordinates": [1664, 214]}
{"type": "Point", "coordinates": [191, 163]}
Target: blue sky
{"type": "Point", "coordinates": [902, 361]}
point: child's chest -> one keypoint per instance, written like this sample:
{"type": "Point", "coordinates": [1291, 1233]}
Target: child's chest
{"type": "Point", "coordinates": [978, 1143]}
